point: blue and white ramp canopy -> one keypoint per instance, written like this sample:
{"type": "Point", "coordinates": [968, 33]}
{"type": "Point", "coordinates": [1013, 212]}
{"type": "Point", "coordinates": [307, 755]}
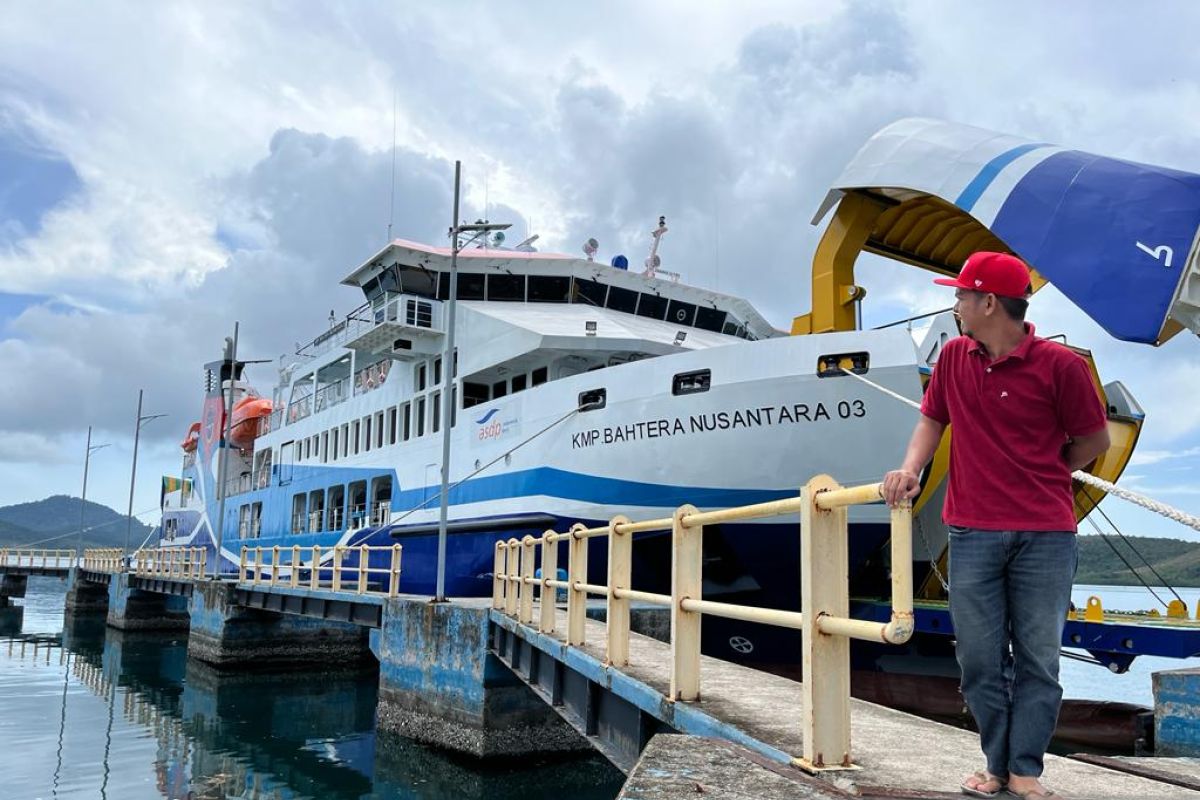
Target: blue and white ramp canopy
{"type": "Point", "coordinates": [1116, 237]}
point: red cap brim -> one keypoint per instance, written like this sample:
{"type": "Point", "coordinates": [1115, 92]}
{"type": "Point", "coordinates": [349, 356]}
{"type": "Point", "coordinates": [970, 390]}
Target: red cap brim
{"type": "Point", "coordinates": [950, 282]}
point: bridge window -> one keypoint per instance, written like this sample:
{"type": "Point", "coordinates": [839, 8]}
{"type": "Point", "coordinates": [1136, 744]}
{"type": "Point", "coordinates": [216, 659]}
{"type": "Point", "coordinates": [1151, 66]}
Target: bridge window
{"type": "Point", "coordinates": [652, 305]}
{"type": "Point", "coordinates": [415, 280]}
{"type": "Point", "coordinates": [499, 389]}
{"type": "Point", "coordinates": [470, 286]}
{"type": "Point", "coordinates": [506, 288]}
{"type": "Point", "coordinates": [549, 288]}
{"type": "Point", "coordinates": [681, 313]}
{"type": "Point", "coordinates": [540, 375]}
{"type": "Point", "coordinates": [519, 383]}
{"type": "Point", "coordinates": [590, 292]}
{"type": "Point", "coordinates": [622, 299]}
{"type": "Point", "coordinates": [710, 319]}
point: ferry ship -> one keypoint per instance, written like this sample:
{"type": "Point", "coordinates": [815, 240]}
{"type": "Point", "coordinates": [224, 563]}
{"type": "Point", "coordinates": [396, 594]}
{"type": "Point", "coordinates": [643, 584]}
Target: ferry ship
{"type": "Point", "coordinates": [580, 390]}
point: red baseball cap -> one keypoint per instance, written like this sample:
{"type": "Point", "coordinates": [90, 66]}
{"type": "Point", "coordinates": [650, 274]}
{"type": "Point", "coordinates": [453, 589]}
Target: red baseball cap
{"type": "Point", "coordinates": [996, 273]}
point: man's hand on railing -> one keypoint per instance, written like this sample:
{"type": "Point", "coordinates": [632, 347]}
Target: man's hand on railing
{"type": "Point", "coordinates": [900, 484]}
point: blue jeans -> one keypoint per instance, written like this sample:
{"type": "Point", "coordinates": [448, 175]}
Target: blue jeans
{"type": "Point", "coordinates": [1009, 596]}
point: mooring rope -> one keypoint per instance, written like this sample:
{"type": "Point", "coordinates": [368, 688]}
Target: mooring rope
{"type": "Point", "coordinates": [1148, 503]}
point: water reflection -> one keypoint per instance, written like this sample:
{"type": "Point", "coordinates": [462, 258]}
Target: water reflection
{"type": "Point", "coordinates": [133, 717]}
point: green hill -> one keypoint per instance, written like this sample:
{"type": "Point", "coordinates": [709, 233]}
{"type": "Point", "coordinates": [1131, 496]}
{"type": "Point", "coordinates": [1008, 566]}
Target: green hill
{"type": "Point", "coordinates": [1177, 561]}
{"type": "Point", "coordinates": [55, 516]}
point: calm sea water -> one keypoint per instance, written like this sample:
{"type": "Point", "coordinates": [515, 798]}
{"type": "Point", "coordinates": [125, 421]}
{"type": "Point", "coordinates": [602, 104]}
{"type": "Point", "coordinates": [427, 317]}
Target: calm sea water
{"type": "Point", "coordinates": [1088, 681]}
{"type": "Point", "coordinates": [87, 712]}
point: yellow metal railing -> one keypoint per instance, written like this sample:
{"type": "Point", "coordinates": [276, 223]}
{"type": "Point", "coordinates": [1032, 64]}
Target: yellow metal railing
{"type": "Point", "coordinates": [186, 563]}
{"type": "Point", "coordinates": [824, 597]}
{"type": "Point", "coordinates": [40, 559]}
{"type": "Point", "coordinates": [104, 559]}
{"type": "Point", "coordinates": [324, 568]}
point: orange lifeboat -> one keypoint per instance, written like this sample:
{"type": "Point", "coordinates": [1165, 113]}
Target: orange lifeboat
{"type": "Point", "coordinates": [192, 439]}
{"type": "Point", "coordinates": [246, 414]}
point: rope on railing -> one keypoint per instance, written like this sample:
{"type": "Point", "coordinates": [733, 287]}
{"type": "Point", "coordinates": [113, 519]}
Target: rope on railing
{"type": "Point", "coordinates": [1148, 503]}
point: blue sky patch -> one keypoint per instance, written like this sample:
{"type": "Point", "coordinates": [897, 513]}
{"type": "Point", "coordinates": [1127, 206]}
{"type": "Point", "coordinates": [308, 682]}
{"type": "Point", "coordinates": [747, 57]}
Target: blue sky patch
{"type": "Point", "coordinates": [36, 180]}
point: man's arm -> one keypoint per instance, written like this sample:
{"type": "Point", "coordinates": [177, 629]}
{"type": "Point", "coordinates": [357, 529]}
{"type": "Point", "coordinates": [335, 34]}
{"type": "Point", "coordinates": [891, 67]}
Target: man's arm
{"type": "Point", "coordinates": [905, 483]}
{"type": "Point", "coordinates": [1082, 450]}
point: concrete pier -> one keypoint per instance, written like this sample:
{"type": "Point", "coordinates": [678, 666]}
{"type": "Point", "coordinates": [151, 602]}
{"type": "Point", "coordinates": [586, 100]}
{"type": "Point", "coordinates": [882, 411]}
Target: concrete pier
{"type": "Point", "coordinates": [225, 634]}
{"type": "Point", "coordinates": [439, 684]}
{"type": "Point", "coordinates": [131, 609]}
{"type": "Point", "coordinates": [83, 596]}
{"type": "Point", "coordinates": [1177, 712]}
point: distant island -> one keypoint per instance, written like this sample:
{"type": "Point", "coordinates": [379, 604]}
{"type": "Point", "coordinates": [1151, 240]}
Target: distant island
{"type": "Point", "coordinates": [1177, 561]}
{"type": "Point", "coordinates": [53, 524]}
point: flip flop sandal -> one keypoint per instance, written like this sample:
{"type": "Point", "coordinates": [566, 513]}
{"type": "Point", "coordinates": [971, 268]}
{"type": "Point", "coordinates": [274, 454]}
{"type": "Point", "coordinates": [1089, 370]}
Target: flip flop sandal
{"type": "Point", "coordinates": [983, 778]}
{"type": "Point", "coordinates": [1037, 794]}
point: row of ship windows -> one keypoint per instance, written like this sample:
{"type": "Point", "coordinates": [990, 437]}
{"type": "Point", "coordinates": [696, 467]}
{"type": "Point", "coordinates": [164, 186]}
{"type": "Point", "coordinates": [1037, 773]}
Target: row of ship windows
{"type": "Point", "coordinates": [408, 420]}
{"type": "Point", "coordinates": [399, 423]}
{"type": "Point", "coordinates": [503, 287]}
{"type": "Point", "coordinates": [339, 507]}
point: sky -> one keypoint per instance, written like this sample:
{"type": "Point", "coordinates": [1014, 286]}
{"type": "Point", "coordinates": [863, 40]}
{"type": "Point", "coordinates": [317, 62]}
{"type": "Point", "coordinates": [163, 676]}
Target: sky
{"type": "Point", "coordinates": [167, 169]}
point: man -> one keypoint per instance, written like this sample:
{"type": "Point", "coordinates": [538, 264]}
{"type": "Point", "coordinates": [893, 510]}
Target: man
{"type": "Point", "coordinates": [1025, 414]}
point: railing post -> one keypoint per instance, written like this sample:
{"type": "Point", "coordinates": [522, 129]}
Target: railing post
{"type": "Point", "coordinates": [295, 570]}
{"type": "Point", "coordinates": [364, 561]}
{"type": "Point", "coordinates": [687, 560]}
{"type": "Point", "coordinates": [548, 593]}
{"type": "Point", "coordinates": [257, 564]}
{"type": "Point", "coordinates": [526, 586]}
{"type": "Point", "coordinates": [577, 597]}
{"type": "Point", "coordinates": [203, 563]}
{"type": "Point", "coordinates": [511, 573]}
{"type": "Point", "coordinates": [314, 573]}
{"type": "Point", "coordinates": [824, 590]}
{"type": "Point", "coordinates": [498, 570]}
{"type": "Point", "coordinates": [242, 565]}
{"type": "Point", "coordinates": [620, 568]}
{"type": "Point", "coordinates": [274, 565]}
{"type": "Point", "coordinates": [337, 567]}
{"type": "Point", "coordinates": [394, 582]}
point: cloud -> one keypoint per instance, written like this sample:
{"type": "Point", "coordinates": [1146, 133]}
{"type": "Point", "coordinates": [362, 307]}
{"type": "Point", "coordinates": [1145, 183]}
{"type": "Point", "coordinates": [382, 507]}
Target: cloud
{"type": "Point", "coordinates": [1143, 457]}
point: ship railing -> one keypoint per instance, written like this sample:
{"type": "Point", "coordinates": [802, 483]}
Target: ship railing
{"type": "Point", "coordinates": [360, 569]}
{"type": "Point", "coordinates": [823, 618]}
{"type": "Point", "coordinates": [104, 559]}
{"type": "Point", "coordinates": [299, 521]}
{"type": "Point", "coordinates": [314, 521]}
{"type": "Point", "coordinates": [185, 563]}
{"type": "Point", "coordinates": [244, 529]}
{"type": "Point", "coordinates": [334, 393]}
{"type": "Point", "coordinates": [239, 485]}
{"type": "Point", "coordinates": [255, 528]}
{"type": "Point", "coordinates": [358, 515]}
{"type": "Point", "coordinates": [370, 378]}
{"type": "Point", "coordinates": [382, 514]}
{"type": "Point", "coordinates": [37, 559]}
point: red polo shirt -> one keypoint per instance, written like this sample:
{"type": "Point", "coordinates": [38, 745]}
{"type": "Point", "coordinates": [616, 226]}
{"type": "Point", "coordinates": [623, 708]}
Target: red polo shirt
{"type": "Point", "coordinates": [1011, 419]}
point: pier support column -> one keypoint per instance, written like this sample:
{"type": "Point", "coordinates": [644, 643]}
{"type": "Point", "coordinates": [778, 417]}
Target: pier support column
{"type": "Point", "coordinates": [225, 634]}
{"type": "Point", "coordinates": [84, 597]}
{"type": "Point", "coordinates": [11, 586]}
{"type": "Point", "coordinates": [1177, 712]}
{"type": "Point", "coordinates": [440, 684]}
{"type": "Point", "coordinates": [131, 609]}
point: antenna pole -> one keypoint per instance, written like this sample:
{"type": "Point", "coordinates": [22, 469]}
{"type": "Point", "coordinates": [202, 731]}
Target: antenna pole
{"type": "Point", "coordinates": [392, 203]}
{"type": "Point", "coordinates": [223, 469]}
{"type": "Point", "coordinates": [448, 395]}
